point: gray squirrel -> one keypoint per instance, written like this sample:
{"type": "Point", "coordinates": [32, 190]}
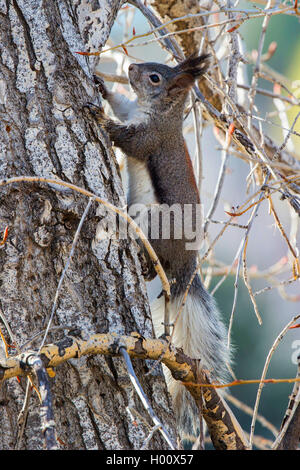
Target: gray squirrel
{"type": "Point", "coordinates": [149, 132]}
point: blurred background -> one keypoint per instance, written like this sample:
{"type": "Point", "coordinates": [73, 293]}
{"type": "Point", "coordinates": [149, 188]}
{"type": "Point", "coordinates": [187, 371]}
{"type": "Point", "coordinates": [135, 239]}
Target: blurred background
{"type": "Point", "coordinates": [266, 246]}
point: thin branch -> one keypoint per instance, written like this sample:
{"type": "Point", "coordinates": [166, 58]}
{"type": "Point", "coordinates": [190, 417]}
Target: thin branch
{"type": "Point", "coordinates": [240, 255]}
{"type": "Point", "coordinates": [267, 93]}
{"type": "Point", "coordinates": [127, 43]}
{"type": "Point", "coordinates": [109, 77]}
{"type": "Point", "coordinates": [153, 430]}
{"type": "Point", "coordinates": [283, 145]}
{"type": "Point", "coordinates": [222, 222]}
{"type": "Point", "coordinates": [212, 244]}
{"type": "Point", "coordinates": [249, 411]}
{"type": "Point", "coordinates": [170, 44]}
{"type": "Point", "coordinates": [218, 189]}
{"type": "Point", "coordinates": [11, 335]}
{"type": "Point", "coordinates": [247, 284]}
{"type": "Point", "coordinates": [279, 225]}
{"type": "Point", "coordinates": [228, 271]}
{"type": "Point", "coordinates": [237, 382]}
{"type": "Point", "coordinates": [252, 91]}
{"type": "Point", "coordinates": [276, 286]}
{"type": "Point", "coordinates": [22, 417]}
{"type": "Point", "coordinates": [264, 372]}
{"type": "Point", "coordinates": [134, 380]}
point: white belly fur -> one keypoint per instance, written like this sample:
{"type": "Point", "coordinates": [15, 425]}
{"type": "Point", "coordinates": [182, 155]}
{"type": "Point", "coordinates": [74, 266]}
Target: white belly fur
{"type": "Point", "coordinates": [140, 189]}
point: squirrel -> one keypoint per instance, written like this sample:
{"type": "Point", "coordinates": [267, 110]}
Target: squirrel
{"type": "Point", "coordinates": [149, 132]}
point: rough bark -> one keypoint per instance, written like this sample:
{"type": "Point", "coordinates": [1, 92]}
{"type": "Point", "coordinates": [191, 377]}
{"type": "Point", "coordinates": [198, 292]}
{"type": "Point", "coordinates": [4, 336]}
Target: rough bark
{"type": "Point", "coordinates": [45, 132]}
{"type": "Point", "coordinates": [169, 10]}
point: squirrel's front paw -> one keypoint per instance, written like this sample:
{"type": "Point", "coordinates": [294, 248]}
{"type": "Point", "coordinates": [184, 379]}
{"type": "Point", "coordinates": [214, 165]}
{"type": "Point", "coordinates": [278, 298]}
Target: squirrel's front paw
{"type": "Point", "coordinates": [96, 111]}
{"type": "Point", "coordinates": [148, 270]}
{"type": "Point", "coordinates": [101, 86]}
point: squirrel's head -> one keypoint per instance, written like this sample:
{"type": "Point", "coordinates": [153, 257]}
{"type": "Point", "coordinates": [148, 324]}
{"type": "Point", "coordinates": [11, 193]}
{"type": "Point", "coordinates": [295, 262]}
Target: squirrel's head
{"type": "Point", "coordinates": [159, 86]}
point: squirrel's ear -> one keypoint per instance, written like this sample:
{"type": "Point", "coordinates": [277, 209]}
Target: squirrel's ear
{"type": "Point", "coordinates": [181, 82]}
{"type": "Point", "coordinates": [195, 65]}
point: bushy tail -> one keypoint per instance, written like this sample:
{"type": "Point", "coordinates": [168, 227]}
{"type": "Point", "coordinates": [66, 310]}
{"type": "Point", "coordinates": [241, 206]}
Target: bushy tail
{"type": "Point", "coordinates": [201, 334]}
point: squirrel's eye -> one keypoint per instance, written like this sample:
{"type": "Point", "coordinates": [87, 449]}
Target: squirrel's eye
{"type": "Point", "coordinates": [154, 78]}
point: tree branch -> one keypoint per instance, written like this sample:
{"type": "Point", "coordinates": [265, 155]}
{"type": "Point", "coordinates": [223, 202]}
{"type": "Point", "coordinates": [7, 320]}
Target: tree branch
{"type": "Point", "coordinates": [225, 431]}
{"type": "Point", "coordinates": [33, 363]}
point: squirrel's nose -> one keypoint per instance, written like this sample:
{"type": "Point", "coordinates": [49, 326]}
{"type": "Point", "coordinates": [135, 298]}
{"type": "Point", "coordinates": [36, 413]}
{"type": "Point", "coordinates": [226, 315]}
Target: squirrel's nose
{"type": "Point", "coordinates": [133, 73]}
{"type": "Point", "coordinates": [132, 67]}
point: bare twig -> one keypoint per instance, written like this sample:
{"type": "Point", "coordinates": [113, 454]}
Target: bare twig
{"type": "Point", "coordinates": [240, 255]}
{"type": "Point", "coordinates": [276, 286]}
{"type": "Point", "coordinates": [282, 146]}
{"type": "Point", "coordinates": [268, 93]}
{"type": "Point", "coordinates": [264, 372]}
{"type": "Point", "coordinates": [9, 330]}
{"type": "Point", "coordinates": [252, 91]}
{"type": "Point", "coordinates": [158, 425]}
{"type": "Point", "coordinates": [22, 417]}
{"type": "Point", "coordinates": [247, 283]}
{"type": "Point", "coordinates": [218, 189]}
{"type": "Point", "coordinates": [291, 248]}
{"type": "Point", "coordinates": [249, 411]}
{"type": "Point", "coordinates": [247, 15]}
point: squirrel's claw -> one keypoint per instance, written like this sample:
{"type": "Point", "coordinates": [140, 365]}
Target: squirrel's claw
{"type": "Point", "coordinates": [99, 82]}
{"type": "Point", "coordinates": [95, 110]}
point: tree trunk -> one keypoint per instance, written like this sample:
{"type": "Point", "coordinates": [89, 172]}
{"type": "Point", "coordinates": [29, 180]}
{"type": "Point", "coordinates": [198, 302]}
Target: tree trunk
{"type": "Point", "coordinates": [45, 132]}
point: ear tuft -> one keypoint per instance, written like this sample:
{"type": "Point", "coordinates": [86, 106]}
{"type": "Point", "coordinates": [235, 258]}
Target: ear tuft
{"type": "Point", "coordinates": [194, 65]}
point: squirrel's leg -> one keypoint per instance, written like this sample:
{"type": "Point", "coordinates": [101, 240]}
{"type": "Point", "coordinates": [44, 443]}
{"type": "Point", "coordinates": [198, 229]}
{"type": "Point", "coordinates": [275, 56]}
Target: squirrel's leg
{"type": "Point", "coordinates": [129, 138]}
{"type": "Point", "coordinates": [123, 108]}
